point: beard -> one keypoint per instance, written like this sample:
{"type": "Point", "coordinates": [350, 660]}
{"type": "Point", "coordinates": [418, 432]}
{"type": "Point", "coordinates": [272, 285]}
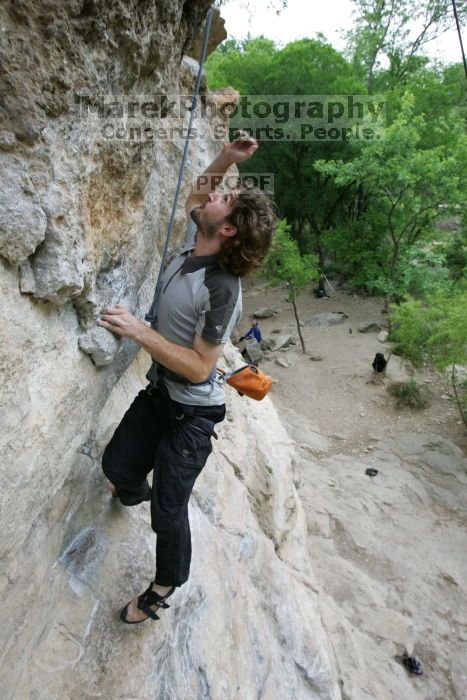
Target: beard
{"type": "Point", "coordinates": [207, 226]}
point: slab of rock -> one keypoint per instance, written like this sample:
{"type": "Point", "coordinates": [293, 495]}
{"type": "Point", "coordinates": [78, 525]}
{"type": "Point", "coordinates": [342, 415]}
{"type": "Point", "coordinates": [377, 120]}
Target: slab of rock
{"type": "Point", "coordinates": [383, 336]}
{"type": "Point", "coordinates": [282, 341]}
{"type": "Point", "coordinates": [266, 344]}
{"type": "Point", "coordinates": [254, 351]}
{"type": "Point", "coordinates": [100, 345]}
{"type": "Point", "coordinates": [293, 359]}
{"type": "Point", "coordinates": [264, 312]}
{"type": "Point", "coordinates": [330, 318]}
{"type": "Point", "coordinates": [282, 362]}
{"type": "Point", "coordinates": [370, 326]}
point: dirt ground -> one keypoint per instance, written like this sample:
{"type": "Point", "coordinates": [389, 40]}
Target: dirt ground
{"type": "Point", "coordinates": [388, 552]}
{"type": "Point", "coordinates": [336, 394]}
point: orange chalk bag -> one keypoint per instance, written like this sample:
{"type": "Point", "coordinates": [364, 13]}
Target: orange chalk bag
{"type": "Point", "coordinates": [248, 380]}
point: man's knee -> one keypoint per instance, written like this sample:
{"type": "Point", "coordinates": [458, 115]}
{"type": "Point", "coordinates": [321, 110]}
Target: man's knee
{"type": "Point", "coordinates": [167, 520]}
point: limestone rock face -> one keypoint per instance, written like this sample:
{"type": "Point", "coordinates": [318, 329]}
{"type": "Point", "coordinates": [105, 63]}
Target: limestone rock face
{"type": "Point", "coordinates": [247, 620]}
{"type": "Point", "coordinates": [216, 36]}
{"type": "Point", "coordinates": [82, 221]}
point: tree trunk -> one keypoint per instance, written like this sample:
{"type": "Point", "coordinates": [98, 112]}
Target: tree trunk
{"type": "Point", "coordinates": [459, 405]}
{"type": "Point", "coordinates": [298, 325]}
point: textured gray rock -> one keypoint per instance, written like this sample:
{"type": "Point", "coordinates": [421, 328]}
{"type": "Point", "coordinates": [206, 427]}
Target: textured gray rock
{"type": "Point", "coordinates": [71, 557]}
{"type": "Point", "coordinates": [23, 221]}
{"type": "Point", "coordinates": [254, 350]}
{"type": "Point", "coordinates": [217, 35]}
{"type": "Point", "coordinates": [282, 341]}
{"type": "Point", "coordinates": [369, 326]}
{"type": "Point", "coordinates": [264, 312]}
{"type": "Point", "coordinates": [326, 319]}
{"type": "Point", "coordinates": [283, 362]}
{"type": "Point", "coordinates": [383, 336]}
{"type": "Point", "coordinates": [100, 345]}
{"type": "Point", "coordinates": [7, 140]}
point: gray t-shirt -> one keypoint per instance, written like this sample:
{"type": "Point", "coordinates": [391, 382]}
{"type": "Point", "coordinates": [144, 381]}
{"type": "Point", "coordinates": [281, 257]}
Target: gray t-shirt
{"type": "Point", "coordinates": [197, 297]}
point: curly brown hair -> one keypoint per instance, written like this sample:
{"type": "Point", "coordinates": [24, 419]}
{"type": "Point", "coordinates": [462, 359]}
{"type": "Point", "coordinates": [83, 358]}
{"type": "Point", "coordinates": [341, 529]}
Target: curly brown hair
{"type": "Point", "coordinates": [254, 216]}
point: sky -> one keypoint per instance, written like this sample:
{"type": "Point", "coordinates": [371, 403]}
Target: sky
{"type": "Point", "coordinates": [303, 18]}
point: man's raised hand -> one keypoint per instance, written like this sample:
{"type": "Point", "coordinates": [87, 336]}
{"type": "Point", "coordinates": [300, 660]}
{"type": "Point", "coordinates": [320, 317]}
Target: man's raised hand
{"type": "Point", "coordinates": [242, 148]}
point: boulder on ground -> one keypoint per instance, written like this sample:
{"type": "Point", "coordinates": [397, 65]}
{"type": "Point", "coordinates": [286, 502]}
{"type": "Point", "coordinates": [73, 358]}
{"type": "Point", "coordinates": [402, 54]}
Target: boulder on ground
{"type": "Point", "coordinates": [328, 318]}
{"type": "Point", "coordinates": [369, 326]}
{"type": "Point", "coordinates": [282, 341]}
{"type": "Point", "coordinates": [383, 336]}
{"type": "Point", "coordinates": [266, 344]}
{"type": "Point", "coordinates": [254, 352]}
{"type": "Point", "coordinates": [265, 312]}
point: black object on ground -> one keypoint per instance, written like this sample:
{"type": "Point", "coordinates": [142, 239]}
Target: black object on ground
{"type": "Point", "coordinates": [371, 472]}
{"type": "Point", "coordinates": [412, 664]}
{"type": "Point", "coordinates": [379, 363]}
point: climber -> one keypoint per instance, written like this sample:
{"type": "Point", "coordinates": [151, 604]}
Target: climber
{"type": "Point", "coordinates": [169, 426]}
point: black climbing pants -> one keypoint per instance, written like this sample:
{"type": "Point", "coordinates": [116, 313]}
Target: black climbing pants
{"type": "Point", "coordinates": [174, 440]}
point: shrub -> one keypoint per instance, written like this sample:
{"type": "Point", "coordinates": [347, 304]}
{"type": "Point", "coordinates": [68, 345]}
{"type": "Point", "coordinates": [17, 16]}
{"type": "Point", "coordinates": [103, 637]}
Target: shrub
{"type": "Point", "coordinates": [409, 394]}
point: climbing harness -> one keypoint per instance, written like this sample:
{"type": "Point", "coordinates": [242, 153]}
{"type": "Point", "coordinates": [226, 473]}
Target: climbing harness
{"type": "Point", "coordinates": [151, 316]}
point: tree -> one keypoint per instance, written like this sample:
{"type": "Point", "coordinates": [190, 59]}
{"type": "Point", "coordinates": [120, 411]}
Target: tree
{"type": "Point", "coordinates": [434, 329]}
{"type": "Point", "coordinates": [343, 212]}
{"type": "Point", "coordinates": [284, 263]}
{"type": "Point", "coordinates": [384, 33]}
{"type": "Point", "coordinates": [405, 190]}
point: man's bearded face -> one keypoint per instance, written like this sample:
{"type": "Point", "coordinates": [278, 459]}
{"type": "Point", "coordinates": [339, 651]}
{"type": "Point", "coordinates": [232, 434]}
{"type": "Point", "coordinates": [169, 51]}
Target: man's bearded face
{"type": "Point", "coordinates": [210, 216]}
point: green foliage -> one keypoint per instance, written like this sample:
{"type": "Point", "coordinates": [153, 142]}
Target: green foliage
{"type": "Point", "coordinates": [306, 67]}
{"type": "Point", "coordinates": [369, 211]}
{"type": "Point", "coordinates": [241, 65]}
{"type": "Point", "coordinates": [455, 252]}
{"type": "Point", "coordinates": [433, 329]}
{"type": "Point", "coordinates": [284, 263]}
{"type": "Point", "coordinates": [393, 32]}
{"type": "Point", "coordinates": [409, 394]}
{"type": "Point", "coordinates": [403, 190]}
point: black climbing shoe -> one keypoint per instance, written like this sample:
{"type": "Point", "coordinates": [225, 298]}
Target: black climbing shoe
{"type": "Point", "coordinates": [371, 472]}
{"type": "Point", "coordinates": [149, 597]}
{"type": "Point", "coordinates": [412, 664]}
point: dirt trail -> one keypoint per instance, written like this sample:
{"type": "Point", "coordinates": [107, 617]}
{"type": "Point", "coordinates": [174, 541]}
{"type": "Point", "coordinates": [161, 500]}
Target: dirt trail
{"type": "Point", "coordinates": [334, 395]}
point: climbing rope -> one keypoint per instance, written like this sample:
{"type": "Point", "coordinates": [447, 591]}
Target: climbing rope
{"type": "Point", "coordinates": [151, 316]}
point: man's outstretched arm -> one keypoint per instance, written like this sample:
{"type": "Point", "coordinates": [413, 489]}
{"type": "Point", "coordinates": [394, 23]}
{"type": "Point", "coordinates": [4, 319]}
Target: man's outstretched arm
{"type": "Point", "coordinates": [235, 152]}
{"type": "Point", "coordinates": [195, 364]}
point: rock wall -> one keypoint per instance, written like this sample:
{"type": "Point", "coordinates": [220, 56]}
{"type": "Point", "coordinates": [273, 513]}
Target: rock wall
{"type": "Point", "coordinates": [82, 222]}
